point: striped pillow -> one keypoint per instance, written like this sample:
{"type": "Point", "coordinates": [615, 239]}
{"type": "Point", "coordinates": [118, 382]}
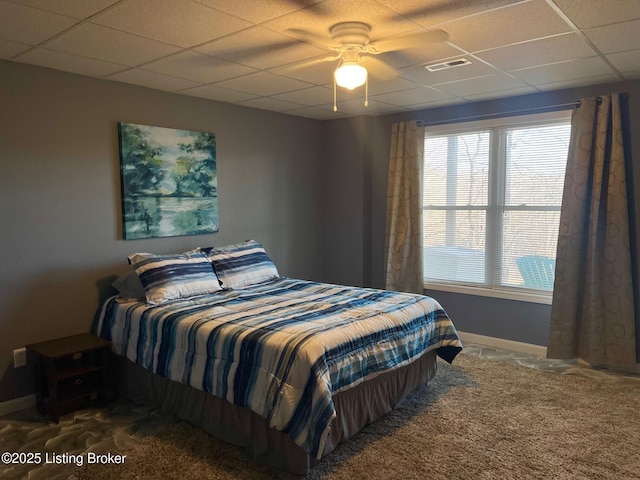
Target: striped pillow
{"type": "Point", "coordinates": [242, 264]}
{"type": "Point", "coordinates": [168, 277]}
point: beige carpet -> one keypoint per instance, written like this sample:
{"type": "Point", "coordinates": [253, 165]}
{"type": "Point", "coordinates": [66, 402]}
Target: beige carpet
{"type": "Point", "coordinates": [479, 419]}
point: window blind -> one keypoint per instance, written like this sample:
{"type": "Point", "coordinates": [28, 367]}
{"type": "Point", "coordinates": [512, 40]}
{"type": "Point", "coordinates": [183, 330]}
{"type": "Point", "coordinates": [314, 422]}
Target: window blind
{"type": "Point", "coordinates": [491, 205]}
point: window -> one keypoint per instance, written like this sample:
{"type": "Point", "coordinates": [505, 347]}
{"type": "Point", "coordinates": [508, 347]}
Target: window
{"type": "Point", "coordinates": [492, 193]}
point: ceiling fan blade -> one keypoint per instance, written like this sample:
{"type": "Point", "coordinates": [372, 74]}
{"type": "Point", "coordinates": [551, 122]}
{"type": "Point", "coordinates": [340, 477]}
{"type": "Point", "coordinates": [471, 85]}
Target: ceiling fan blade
{"type": "Point", "coordinates": [412, 40]}
{"type": "Point", "coordinates": [258, 50]}
{"type": "Point", "coordinates": [292, 67]}
{"type": "Point", "coordinates": [310, 37]}
{"type": "Point", "coordinates": [448, 9]}
{"type": "Point", "coordinates": [317, 7]}
{"type": "Point", "coordinates": [378, 68]}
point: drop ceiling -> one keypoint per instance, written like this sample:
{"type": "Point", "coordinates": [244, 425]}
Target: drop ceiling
{"type": "Point", "coordinates": [241, 51]}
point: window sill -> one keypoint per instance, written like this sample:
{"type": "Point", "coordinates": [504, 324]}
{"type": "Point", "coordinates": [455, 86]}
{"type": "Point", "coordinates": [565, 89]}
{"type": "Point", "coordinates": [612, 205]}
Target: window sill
{"type": "Point", "coordinates": [518, 295]}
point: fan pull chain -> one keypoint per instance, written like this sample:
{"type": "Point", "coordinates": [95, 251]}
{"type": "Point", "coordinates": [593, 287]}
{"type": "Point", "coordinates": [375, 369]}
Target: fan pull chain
{"type": "Point", "coordinates": [335, 106]}
{"type": "Point", "coordinates": [366, 92]}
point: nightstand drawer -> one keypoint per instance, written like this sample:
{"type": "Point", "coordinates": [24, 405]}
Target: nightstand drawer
{"type": "Point", "coordinates": [80, 385]}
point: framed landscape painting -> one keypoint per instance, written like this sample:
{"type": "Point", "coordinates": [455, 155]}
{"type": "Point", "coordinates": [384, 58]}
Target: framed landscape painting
{"type": "Point", "coordinates": [169, 181]}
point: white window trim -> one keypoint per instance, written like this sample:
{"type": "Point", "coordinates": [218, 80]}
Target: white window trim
{"type": "Point", "coordinates": [518, 294]}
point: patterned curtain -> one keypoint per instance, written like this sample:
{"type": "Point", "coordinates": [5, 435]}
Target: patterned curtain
{"type": "Point", "coordinates": [404, 209]}
{"type": "Point", "coordinates": [592, 315]}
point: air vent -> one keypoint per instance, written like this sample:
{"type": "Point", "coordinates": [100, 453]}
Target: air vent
{"type": "Point", "coordinates": [443, 66]}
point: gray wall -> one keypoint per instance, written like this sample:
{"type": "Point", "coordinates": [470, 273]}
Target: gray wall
{"type": "Point", "coordinates": [343, 193]}
{"type": "Point", "coordinates": [61, 241]}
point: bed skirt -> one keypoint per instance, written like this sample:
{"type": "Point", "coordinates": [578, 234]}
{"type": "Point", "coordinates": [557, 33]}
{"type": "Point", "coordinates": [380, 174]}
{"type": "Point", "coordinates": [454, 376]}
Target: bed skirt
{"type": "Point", "coordinates": [355, 408]}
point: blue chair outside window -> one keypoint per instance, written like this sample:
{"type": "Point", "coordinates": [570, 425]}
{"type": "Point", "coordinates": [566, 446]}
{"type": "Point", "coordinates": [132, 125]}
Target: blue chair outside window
{"type": "Point", "coordinates": [537, 271]}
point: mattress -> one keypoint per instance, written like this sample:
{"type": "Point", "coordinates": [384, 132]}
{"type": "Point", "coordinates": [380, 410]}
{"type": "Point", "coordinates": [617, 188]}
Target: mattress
{"type": "Point", "coordinates": [282, 349]}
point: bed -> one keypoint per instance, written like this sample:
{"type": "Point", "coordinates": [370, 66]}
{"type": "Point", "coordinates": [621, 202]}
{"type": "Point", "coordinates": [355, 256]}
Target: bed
{"type": "Point", "coordinates": [286, 367]}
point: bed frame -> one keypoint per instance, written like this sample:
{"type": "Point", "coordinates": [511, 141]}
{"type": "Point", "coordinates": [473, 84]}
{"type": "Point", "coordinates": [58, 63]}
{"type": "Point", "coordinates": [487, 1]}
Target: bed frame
{"type": "Point", "coordinates": [355, 408]}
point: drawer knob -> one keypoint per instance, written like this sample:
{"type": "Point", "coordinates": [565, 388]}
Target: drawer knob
{"type": "Point", "coordinates": [78, 381]}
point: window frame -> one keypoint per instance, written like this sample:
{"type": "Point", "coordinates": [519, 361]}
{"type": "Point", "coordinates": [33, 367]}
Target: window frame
{"type": "Point", "coordinates": [497, 180]}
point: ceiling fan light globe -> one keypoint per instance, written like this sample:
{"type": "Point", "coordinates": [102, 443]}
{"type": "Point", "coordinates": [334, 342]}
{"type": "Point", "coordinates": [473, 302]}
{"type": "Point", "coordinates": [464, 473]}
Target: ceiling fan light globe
{"type": "Point", "coordinates": [351, 75]}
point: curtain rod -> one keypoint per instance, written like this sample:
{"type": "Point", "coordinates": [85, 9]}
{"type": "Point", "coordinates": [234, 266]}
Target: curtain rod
{"type": "Point", "coordinates": [546, 108]}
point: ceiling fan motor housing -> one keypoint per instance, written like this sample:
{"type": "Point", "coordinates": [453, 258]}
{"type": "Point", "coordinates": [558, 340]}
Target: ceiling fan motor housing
{"type": "Point", "coordinates": [351, 34]}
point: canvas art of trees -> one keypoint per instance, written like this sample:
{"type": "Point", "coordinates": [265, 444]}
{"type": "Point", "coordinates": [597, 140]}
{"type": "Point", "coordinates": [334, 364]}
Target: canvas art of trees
{"type": "Point", "coordinates": [169, 181]}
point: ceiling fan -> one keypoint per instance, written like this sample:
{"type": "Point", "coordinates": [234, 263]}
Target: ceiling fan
{"type": "Point", "coordinates": [356, 54]}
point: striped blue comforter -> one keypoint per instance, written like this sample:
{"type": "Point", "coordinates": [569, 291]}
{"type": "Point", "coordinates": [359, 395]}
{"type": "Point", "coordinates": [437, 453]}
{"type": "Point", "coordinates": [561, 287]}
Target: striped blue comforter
{"type": "Point", "coordinates": [281, 348]}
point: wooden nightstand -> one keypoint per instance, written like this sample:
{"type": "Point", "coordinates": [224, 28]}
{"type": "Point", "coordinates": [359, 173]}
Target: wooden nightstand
{"type": "Point", "coordinates": [71, 370]}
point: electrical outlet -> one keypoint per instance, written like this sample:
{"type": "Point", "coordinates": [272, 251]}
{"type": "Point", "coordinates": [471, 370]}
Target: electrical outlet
{"type": "Point", "coordinates": [19, 357]}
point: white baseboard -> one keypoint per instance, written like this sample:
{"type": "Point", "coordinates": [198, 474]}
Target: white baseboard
{"type": "Point", "coordinates": [537, 350]}
{"type": "Point", "coordinates": [17, 404]}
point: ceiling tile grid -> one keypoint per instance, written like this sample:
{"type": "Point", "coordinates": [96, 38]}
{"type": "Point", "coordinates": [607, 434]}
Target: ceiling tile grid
{"type": "Point", "coordinates": [152, 80]}
{"type": "Point", "coordinates": [31, 26]}
{"type": "Point", "coordinates": [10, 49]}
{"type": "Point", "coordinates": [214, 92]}
{"type": "Point", "coordinates": [102, 43]}
{"type": "Point", "coordinates": [177, 22]}
{"type": "Point", "coordinates": [279, 54]}
{"type": "Point", "coordinates": [71, 63]}
{"type": "Point", "coordinates": [79, 9]}
{"type": "Point", "coordinates": [197, 67]}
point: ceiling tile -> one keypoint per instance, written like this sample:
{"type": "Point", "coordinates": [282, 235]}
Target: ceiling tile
{"type": "Point", "coordinates": [378, 87]}
{"type": "Point", "coordinates": [391, 109]}
{"type": "Point", "coordinates": [592, 13]}
{"type": "Point", "coordinates": [110, 45]}
{"type": "Point", "coordinates": [314, 112]}
{"type": "Point", "coordinates": [152, 80]}
{"type": "Point", "coordinates": [555, 49]}
{"type": "Point", "coordinates": [506, 26]}
{"type": "Point", "coordinates": [632, 75]}
{"type": "Point", "coordinates": [383, 21]}
{"type": "Point", "coordinates": [510, 92]}
{"type": "Point", "coordinates": [616, 38]}
{"type": "Point", "coordinates": [69, 63]}
{"type": "Point", "coordinates": [478, 85]}
{"type": "Point", "coordinates": [431, 53]}
{"type": "Point", "coordinates": [437, 103]}
{"type": "Point", "coordinates": [356, 106]}
{"type": "Point", "coordinates": [343, 95]}
{"type": "Point", "coordinates": [578, 82]}
{"type": "Point", "coordinates": [421, 75]}
{"type": "Point", "coordinates": [625, 61]}
{"type": "Point", "coordinates": [179, 22]}
{"type": "Point", "coordinates": [73, 8]}
{"type": "Point", "coordinates": [260, 48]}
{"type": "Point", "coordinates": [319, 95]}
{"type": "Point", "coordinates": [197, 67]}
{"type": "Point", "coordinates": [318, 74]}
{"type": "Point", "coordinates": [9, 49]}
{"type": "Point", "coordinates": [22, 24]}
{"type": "Point", "coordinates": [214, 92]}
{"type": "Point", "coordinates": [212, 48]}
{"type": "Point", "coordinates": [269, 103]}
{"type": "Point", "coordinates": [263, 83]}
{"type": "Point", "coordinates": [435, 12]}
{"type": "Point", "coordinates": [559, 72]}
{"type": "Point", "coordinates": [258, 10]}
{"type": "Point", "coordinates": [413, 96]}
{"type": "Point", "coordinates": [308, 96]}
